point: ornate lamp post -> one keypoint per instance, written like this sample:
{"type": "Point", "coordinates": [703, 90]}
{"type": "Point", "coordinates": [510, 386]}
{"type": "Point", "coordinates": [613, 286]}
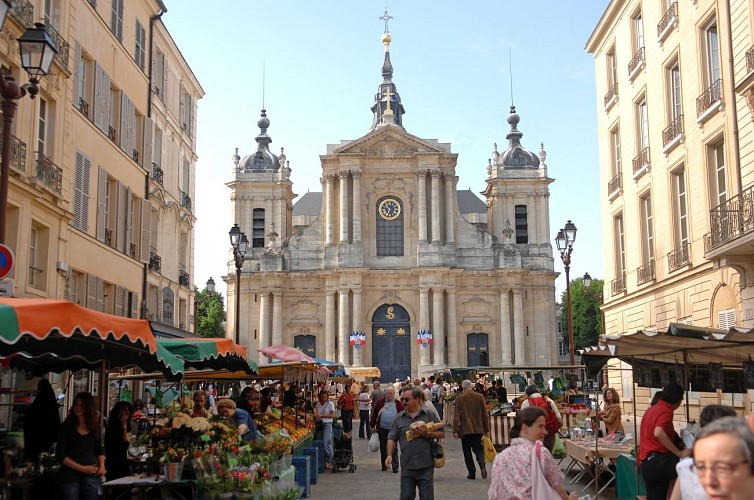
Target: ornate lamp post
{"type": "Point", "coordinates": [37, 51]}
{"type": "Point", "coordinates": [564, 240]}
{"type": "Point", "coordinates": [240, 244]}
{"type": "Point", "coordinates": [210, 288]}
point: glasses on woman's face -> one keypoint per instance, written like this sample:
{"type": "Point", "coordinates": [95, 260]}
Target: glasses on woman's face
{"type": "Point", "coordinates": [719, 469]}
{"type": "Point", "coordinates": [406, 400]}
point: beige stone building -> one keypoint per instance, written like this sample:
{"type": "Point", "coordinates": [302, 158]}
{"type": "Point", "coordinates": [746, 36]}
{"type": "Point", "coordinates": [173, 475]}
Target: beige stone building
{"type": "Point", "coordinates": [390, 250]}
{"type": "Point", "coordinates": [674, 84]}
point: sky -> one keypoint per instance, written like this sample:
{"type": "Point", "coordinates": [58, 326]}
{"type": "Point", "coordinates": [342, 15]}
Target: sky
{"type": "Point", "coordinates": [316, 65]}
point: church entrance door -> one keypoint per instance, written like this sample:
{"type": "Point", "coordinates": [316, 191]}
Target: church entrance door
{"type": "Point", "coordinates": [306, 344]}
{"type": "Point", "coordinates": [477, 349]}
{"type": "Point", "coordinates": [391, 342]}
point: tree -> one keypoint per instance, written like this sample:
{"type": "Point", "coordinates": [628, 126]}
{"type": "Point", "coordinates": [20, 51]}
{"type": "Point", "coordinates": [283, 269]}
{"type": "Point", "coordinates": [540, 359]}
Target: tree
{"type": "Point", "coordinates": [210, 313]}
{"type": "Point", "coordinates": [587, 317]}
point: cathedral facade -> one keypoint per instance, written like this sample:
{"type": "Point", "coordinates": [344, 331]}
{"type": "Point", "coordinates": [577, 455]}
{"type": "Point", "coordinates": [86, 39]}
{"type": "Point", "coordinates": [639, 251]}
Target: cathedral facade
{"type": "Point", "coordinates": [391, 266]}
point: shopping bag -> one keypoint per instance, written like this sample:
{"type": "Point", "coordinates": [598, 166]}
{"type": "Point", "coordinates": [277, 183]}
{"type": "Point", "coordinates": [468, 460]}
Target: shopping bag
{"type": "Point", "coordinates": [438, 452]}
{"type": "Point", "coordinates": [489, 449]}
{"type": "Point", "coordinates": [558, 449]}
{"type": "Point", "coordinates": [540, 488]}
{"type": "Point", "coordinates": [374, 442]}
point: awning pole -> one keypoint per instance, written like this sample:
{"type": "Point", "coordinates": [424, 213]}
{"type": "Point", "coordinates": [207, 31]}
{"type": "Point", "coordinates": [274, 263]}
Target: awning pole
{"type": "Point", "coordinates": [636, 431]}
{"type": "Point", "coordinates": [686, 382]}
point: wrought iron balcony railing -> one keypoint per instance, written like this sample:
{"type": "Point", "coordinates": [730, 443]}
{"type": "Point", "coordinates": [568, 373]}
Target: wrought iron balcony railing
{"type": "Point", "coordinates": [636, 62]}
{"type": "Point", "coordinates": [112, 134]}
{"type": "Point", "coordinates": [611, 94]}
{"type": "Point", "coordinates": [618, 285]}
{"type": "Point", "coordinates": [84, 107]}
{"type": "Point", "coordinates": [185, 200]}
{"type": "Point", "coordinates": [49, 174]}
{"type": "Point", "coordinates": [645, 273]}
{"type": "Point", "coordinates": [642, 161]}
{"type": "Point", "coordinates": [135, 156]}
{"type": "Point", "coordinates": [672, 131]}
{"type": "Point", "coordinates": [62, 47]}
{"type": "Point", "coordinates": [17, 153]}
{"type": "Point", "coordinates": [710, 96]}
{"type": "Point", "coordinates": [750, 59]}
{"type": "Point", "coordinates": [731, 220]}
{"type": "Point", "coordinates": [679, 257]}
{"type": "Point", "coordinates": [132, 250]}
{"type": "Point", "coordinates": [615, 184]}
{"type": "Point", "coordinates": [155, 262]}
{"type": "Point", "coordinates": [667, 19]}
{"type": "Point", "coordinates": [157, 174]}
{"type": "Point", "coordinates": [24, 12]}
{"type": "Point", "coordinates": [183, 278]}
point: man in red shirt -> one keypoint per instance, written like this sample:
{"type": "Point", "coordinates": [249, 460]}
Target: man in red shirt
{"type": "Point", "coordinates": [658, 446]}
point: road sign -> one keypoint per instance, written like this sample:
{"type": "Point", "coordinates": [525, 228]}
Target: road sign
{"type": "Point", "coordinates": [7, 259]}
{"type": "Point", "coordinates": [6, 288]}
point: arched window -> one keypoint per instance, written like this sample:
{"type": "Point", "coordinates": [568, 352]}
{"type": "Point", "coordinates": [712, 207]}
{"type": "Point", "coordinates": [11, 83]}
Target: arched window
{"type": "Point", "coordinates": [389, 213]}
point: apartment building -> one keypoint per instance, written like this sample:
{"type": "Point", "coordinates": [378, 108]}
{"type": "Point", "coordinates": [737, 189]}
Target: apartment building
{"type": "Point", "coordinates": [674, 84]}
{"type": "Point", "coordinates": [103, 161]}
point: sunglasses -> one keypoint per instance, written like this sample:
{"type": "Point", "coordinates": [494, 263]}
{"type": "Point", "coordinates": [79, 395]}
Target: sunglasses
{"type": "Point", "coordinates": [406, 400]}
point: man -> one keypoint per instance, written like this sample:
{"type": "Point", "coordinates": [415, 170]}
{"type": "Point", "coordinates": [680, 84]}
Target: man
{"type": "Point", "coordinates": [553, 419]}
{"type": "Point", "coordinates": [438, 396]}
{"type": "Point", "coordinates": [470, 424]}
{"type": "Point", "coordinates": [397, 385]}
{"type": "Point", "coordinates": [417, 462]}
{"type": "Point", "coordinates": [375, 396]}
{"type": "Point", "coordinates": [659, 450]}
{"type": "Point", "coordinates": [381, 422]}
{"type": "Point", "coordinates": [502, 393]}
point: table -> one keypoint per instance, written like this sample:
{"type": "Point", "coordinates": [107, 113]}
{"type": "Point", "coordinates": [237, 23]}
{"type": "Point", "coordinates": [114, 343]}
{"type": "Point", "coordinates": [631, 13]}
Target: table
{"type": "Point", "coordinates": [625, 484]}
{"type": "Point", "coordinates": [501, 425]}
{"type": "Point", "coordinates": [583, 454]}
{"type": "Point", "coordinates": [139, 486]}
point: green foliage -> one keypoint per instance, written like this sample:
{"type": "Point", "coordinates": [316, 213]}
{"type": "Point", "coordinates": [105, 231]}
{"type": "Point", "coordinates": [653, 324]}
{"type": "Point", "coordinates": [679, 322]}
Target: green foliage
{"type": "Point", "coordinates": [210, 313]}
{"type": "Point", "coordinates": [587, 317]}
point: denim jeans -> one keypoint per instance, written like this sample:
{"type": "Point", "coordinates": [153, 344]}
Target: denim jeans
{"type": "Point", "coordinates": [84, 488]}
{"type": "Point", "coordinates": [364, 423]}
{"type": "Point", "coordinates": [325, 435]}
{"type": "Point", "coordinates": [347, 417]}
{"type": "Point", "coordinates": [421, 478]}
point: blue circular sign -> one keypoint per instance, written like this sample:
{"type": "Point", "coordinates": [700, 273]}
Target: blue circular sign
{"type": "Point", "coordinates": [7, 260]}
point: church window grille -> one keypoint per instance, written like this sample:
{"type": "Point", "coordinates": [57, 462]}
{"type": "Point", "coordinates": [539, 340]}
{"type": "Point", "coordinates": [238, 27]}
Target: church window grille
{"type": "Point", "coordinates": [257, 228]}
{"type": "Point", "coordinates": [389, 233]}
{"type": "Point", "coordinates": [522, 224]}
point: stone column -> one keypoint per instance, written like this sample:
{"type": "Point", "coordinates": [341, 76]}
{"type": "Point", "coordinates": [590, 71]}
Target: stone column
{"type": "Point", "coordinates": [505, 329]}
{"type": "Point", "coordinates": [329, 178]}
{"type": "Point", "coordinates": [435, 206]}
{"type": "Point", "coordinates": [329, 325]}
{"type": "Point", "coordinates": [280, 224]}
{"type": "Point", "coordinates": [358, 325]}
{"type": "Point", "coordinates": [356, 176]}
{"type": "Point", "coordinates": [518, 327]}
{"type": "Point", "coordinates": [277, 318]}
{"type": "Point", "coordinates": [264, 334]}
{"type": "Point", "coordinates": [450, 194]}
{"type": "Point", "coordinates": [343, 346]}
{"type": "Point", "coordinates": [343, 206]}
{"type": "Point", "coordinates": [421, 180]}
{"type": "Point", "coordinates": [438, 327]}
{"type": "Point", "coordinates": [424, 324]}
{"type": "Point", "coordinates": [451, 328]}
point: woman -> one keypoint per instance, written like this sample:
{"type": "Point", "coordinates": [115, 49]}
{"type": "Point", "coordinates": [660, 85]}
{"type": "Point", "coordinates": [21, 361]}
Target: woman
{"type": "Point", "coordinates": [724, 459]}
{"type": "Point", "coordinates": [611, 413]}
{"type": "Point", "coordinates": [244, 400]}
{"type": "Point", "coordinates": [226, 408]}
{"type": "Point", "coordinates": [365, 404]}
{"type": "Point", "coordinates": [41, 422]}
{"type": "Point", "coordinates": [116, 441]}
{"type": "Point", "coordinates": [385, 411]}
{"type": "Point", "coordinates": [265, 401]}
{"type": "Point", "coordinates": [346, 407]}
{"type": "Point", "coordinates": [511, 472]}
{"type": "Point", "coordinates": [79, 451]}
{"type": "Point", "coordinates": [324, 413]}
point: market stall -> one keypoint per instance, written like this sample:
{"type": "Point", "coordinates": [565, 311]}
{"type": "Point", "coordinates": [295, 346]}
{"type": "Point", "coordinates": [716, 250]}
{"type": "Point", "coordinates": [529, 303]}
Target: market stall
{"type": "Point", "coordinates": [210, 353]}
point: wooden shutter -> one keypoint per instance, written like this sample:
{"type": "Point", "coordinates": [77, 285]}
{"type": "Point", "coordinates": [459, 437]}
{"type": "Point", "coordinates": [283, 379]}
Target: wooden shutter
{"type": "Point", "coordinates": [76, 77]}
{"type": "Point", "coordinates": [134, 304]}
{"type": "Point", "coordinates": [124, 123]}
{"type": "Point", "coordinates": [131, 124]}
{"type": "Point", "coordinates": [120, 300]}
{"type": "Point", "coordinates": [78, 195]}
{"type": "Point", "coordinates": [146, 230]}
{"type": "Point", "coordinates": [129, 222]}
{"type": "Point", "coordinates": [98, 99]}
{"type": "Point", "coordinates": [182, 106]}
{"type": "Point", "coordinates": [100, 294]}
{"type": "Point", "coordinates": [726, 319]}
{"type": "Point", "coordinates": [146, 154]}
{"type": "Point", "coordinates": [120, 217]}
{"type": "Point", "coordinates": [67, 284]}
{"type": "Point", "coordinates": [164, 77]}
{"type": "Point", "coordinates": [105, 111]}
{"type": "Point", "coordinates": [86, 171]}
{"type": "Point", "coordinates": [91, 291]}
{"type": "Point", "coordinates": [101, 202]}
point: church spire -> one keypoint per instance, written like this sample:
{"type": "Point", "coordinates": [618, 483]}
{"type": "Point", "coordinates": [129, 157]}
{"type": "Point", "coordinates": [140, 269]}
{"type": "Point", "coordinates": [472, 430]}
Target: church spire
{"type": "Point", "coordinates": [387, 107]}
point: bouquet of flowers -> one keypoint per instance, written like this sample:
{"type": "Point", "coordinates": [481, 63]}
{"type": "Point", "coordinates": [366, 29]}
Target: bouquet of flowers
{"type": "Point", "coordinates": [173, 455]}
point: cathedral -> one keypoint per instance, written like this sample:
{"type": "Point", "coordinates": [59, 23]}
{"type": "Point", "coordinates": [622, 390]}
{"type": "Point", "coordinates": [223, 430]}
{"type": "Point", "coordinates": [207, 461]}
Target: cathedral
{"type": "Point", "coordinates": [390, 265]}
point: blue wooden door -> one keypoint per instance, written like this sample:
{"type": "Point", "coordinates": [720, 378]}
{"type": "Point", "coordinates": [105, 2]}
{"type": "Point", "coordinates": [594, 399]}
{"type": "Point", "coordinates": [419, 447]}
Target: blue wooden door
{"type": "Point", "coordinates": [391, 342]}
{"type": "Point", "coordinates": [477, 349]}
{"type": "Point", "coordinates": [306, 344]}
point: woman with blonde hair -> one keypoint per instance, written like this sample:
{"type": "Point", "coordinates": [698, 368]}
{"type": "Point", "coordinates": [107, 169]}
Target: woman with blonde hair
{"type": "Point", "coordinates": [611, 412]}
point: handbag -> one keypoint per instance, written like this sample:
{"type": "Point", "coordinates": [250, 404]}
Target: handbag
{"type": "Point", "coordinates": [489, 449]}
{"type": "Point", "coordinates": [437, 447]}
{"type": "Point", "coordinates": [540, 488]}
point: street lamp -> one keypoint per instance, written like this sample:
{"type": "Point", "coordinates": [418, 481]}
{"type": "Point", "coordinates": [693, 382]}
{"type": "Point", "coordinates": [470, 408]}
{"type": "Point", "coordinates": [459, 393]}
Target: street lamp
{"type": "Point", "coordinates": [210, 287]}
{"type": "Point", "coordinates": [564, 240]}
{"type": "Point", "coordinates": [37, 51]}
{"type": "Point", "coordinates": [240, 244]}
{"type": "Point", "coordinates": [587, 281]}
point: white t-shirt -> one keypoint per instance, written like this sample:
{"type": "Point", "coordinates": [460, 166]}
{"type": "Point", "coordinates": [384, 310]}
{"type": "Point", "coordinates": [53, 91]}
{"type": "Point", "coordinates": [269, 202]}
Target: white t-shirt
{"type": "Point", "coordinates": [364, 404]}
{"type": "Point", "coordinates": [325, 409]}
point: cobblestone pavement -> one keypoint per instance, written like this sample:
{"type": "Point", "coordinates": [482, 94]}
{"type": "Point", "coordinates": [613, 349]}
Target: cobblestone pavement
{"type": "Point", "coordinates": [369, 482]}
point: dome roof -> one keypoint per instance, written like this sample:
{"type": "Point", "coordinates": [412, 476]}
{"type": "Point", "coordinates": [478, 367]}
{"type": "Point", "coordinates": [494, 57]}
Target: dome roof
{"type": "Point", "coordinates": [262, 160]}
{"type": "Point", "coordinates": [516, 156]}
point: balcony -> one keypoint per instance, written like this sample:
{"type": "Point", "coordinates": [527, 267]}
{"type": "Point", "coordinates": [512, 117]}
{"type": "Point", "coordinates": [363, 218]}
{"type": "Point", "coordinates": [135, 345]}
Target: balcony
{"type": "Point", "coordinates": [645, 273]}
{"type": "Point", "coordinates": [185, 201]}
{"type": "Point", "coordinates": [112, 134]}
{"type": "Point", "coordinates": [157, 174]}
{"type": "Point", "coordinates": [49, 174]}
{"type": "Point", "coordinates": [84, 107]}
{"type": "Point", "coordinates": [668, 22]}
{"type": "Point", "coordinates": [636, 64]}
{"type": "Point", "coordinates": [680, 257]}
{"type": "Point", "coordinates": [641, 163]}
{"type": "Point", "coordinates": [750, 60]}
{"type": "Point", "coordinates": [155, 262]}
{"type": "Point", "coordinates": [672, 135]}
{"type": "Point", "coordinates": [108, 237]}
{"type": "Point", "coordinates": [731, 220]}
{"type": "Point", "coordinates": [17, 153]}
{"type": "Point", "coordinates": [618, 285]}
{"type": "Point", "coordinates": [183, 279]}
{"type": "Point", "coordinates": [614, 186]}
{"type": "Point", "coordinates": [60, 45]}
{"type": "Point", "coordinates": [135, 156]}
{"type": "Point", "coordinates": [132, 250]}
{"type": "Point", "coordinates": [23, 11]}
{"type": "Point", "coordinates": [611, 97]}
{"type": "Point", "coordinates": [705, 103]}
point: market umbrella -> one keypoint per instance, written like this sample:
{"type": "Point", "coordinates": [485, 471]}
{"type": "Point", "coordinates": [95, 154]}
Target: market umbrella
{"type": "Point", "coordinates": [214, 353]}
{"type": "Point", "coordinates": [285, 353]}
{"type": "Point", "coordinates": [42, 335]}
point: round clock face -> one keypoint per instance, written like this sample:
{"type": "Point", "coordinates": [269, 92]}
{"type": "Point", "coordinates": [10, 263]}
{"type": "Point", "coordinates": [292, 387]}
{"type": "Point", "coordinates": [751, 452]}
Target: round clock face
{"type": "Point", "coordinates": [390, 209]}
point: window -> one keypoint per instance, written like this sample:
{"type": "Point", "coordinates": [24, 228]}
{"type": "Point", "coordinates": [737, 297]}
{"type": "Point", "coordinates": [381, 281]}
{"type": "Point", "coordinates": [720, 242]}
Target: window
{"type": "Point", "coordinates": [52, 13]}
{"type": "Point", "coordinates": [647, 231]}
{"type": "Point", "coordinates": [77, 287]}
{"type": "Point", "coordinates": [114, 114]}
{"type": "Point", "coordinates": [44, 127]}
{"type": "Point", "coordinates": [638, 32]}
{"type": "Point", "coordinates": [712, 53]}
{"type": "Point", "coordinates": [680, 208]}
{"type": "Point", "coordinates": [615, 165]}
{"type": "Point", "coordinates": [81, 192]}
{"type": "Point", "coordinates": [84, 82]}
{"type": "Point", "coordinates": [726, 319]}
{"type": "Point", "coordinates": [139, 52]}
{"type": "Point", "coordinates": [38, 243]}
{"type": "Point", "coordinates": [257, 228]}
{"type": "Point", "coordinates": [522, 227]}
{"type": "Point", "coordinates": [159, 75]}
{"type": "Point", "coordinates": [718, 175]}
{"type": "Point", "coordinates": [185, 110]}
{"type": "Point", "coordinates": [389, 228]}
{"type": "Point", "coordinates": [620, 246]}
{"type": "Point", "coordinates": [157, 159]}
{"type": "Point", "coordinates": [674, 91]}
{"type": "Point", "coordinates": [612, 68]}
{"type": "Point", "coordinates": [116, 19]}
{"type": "Point", "coordinates": [643, 126]}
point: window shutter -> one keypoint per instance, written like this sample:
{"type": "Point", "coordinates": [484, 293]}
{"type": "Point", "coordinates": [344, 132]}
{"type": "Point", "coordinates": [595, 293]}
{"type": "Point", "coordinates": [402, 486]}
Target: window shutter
{"type": "Point", "coordinates": [98, 99]}
{"type": "Point", "coordinates": [124, 123]}
{"type": "Point", "coordinates": [120, 217]}
{"type": "Point", "coordinates": [726, 319]}
{"type": "Point", "coordinates": [134, 305]}
{"type": "Point", "coordinates": [182, 107]}
{"type": "Point", "coordinates": [146, 155]}
{"type": "Point", "coordinates": [105, 103]}
{"type": "Point", "coordinates": [78, 195]}
{"type": "Point", "coordinates": [120, 301]}
{"type": "Point", "coordinates": [87, 168]}
{"type": "Point", "coordinates": [190, 114]}
{"type": "Point", "coordinates": [131, 127]}
{"type": "Point", "coordinates": [101, 201]}
{"type": "Point", "coordinates": [100, 294]}
{"type": "Point", "coordinates": [129, 221]}
{"type": "Point", "coordinates": [163, 77]}
{"type": "Point", "coordinates": [91, 291]}
{"type": "Point", "coordinates": [146, 230]}
{"type": "Point", "coordinates": [76, 77]}
{"type": "Point", "coordinates": [67, 282]}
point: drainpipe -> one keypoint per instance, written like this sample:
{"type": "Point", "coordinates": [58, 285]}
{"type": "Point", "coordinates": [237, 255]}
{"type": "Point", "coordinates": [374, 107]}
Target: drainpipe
{"type": "Point", "coordinates": [734, 108]}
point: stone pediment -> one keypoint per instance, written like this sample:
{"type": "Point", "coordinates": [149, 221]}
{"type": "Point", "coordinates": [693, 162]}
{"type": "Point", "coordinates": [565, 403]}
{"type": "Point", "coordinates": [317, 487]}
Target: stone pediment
{"type": "Point", "coordinates": [388, 142]}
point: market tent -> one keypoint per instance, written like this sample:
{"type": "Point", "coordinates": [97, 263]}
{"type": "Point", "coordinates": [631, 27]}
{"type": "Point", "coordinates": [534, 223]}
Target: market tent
{"type": "Point", "coordinates": [362, 372]}
{"type": "Point", "coordinates": [291, 371]}
{"type": "Point", "coordinates": [42, 335]}
{"type": "Point", "coordinates": [214, 353]}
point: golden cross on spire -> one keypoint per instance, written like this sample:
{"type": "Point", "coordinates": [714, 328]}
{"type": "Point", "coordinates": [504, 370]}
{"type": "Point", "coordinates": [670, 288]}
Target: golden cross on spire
{"type": "Point", "coordinates": [388, 95]}
{"type": "Point", "coordinates": [385, 17]}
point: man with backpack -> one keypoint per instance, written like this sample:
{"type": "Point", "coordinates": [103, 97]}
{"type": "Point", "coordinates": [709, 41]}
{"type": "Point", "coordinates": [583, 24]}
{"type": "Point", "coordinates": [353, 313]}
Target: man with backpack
{"type": "Point", "coordinates": [438, 395]}
{"type": "Point", "coordinates": [553, 420]}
